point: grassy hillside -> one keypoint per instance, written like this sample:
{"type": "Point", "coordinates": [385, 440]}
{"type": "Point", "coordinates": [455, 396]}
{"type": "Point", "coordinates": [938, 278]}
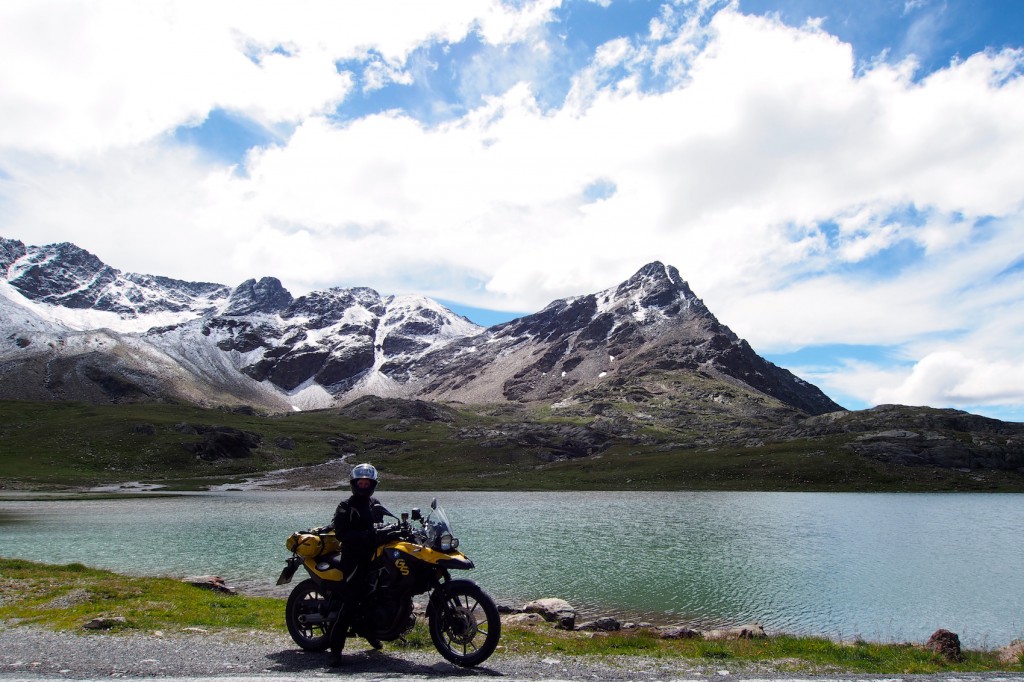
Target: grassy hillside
{"type": "Point", "coordinates": [421, 446]}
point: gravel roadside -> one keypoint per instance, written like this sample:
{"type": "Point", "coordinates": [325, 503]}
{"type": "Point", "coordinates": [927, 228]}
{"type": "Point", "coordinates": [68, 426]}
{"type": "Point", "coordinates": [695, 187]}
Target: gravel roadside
{"type": "Point", "coordinates": [28, 652]}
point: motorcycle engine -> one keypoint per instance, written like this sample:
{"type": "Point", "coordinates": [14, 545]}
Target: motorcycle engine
{"type": "Point", "coordinates": [389, 615]}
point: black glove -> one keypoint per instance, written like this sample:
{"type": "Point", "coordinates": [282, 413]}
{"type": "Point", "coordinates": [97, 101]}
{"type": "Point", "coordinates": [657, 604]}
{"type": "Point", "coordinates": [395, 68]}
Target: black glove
{"type": "Point", "coordinates": [388, 533]}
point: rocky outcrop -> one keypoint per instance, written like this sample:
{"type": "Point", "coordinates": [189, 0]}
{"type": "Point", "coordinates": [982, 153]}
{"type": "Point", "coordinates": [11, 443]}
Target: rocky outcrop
{"type": "Point", "coordinates": [373, 407]}
{"type": "Point", "coordinates": [558, 441]}
{"type": "Point", "coordinates": [220, 442]}
{"type": "Point", "coordinates": [10, 251]}
{"type": "Point", "coordinates": [265, 296]}
{"type": "Point", "coordinates": [923, 436]}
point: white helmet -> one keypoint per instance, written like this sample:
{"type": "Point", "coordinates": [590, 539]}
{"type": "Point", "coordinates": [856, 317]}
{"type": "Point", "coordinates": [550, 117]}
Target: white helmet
{"type": "Point", "coordinates": [363, 479]}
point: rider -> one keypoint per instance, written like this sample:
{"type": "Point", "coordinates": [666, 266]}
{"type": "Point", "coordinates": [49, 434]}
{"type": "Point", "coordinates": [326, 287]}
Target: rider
{"type": "Point", "coordinates": [353, 525]}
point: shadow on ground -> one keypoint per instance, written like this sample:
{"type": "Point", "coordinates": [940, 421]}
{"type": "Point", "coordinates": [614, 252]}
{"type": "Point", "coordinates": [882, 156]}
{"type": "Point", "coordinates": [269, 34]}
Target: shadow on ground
{"type": "Point", "coordinates": [364, 662]}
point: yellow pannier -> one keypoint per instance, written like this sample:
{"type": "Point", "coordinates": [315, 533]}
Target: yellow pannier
{"type": "Point", "coordinates": [304, 544]}
{"type": "Point", "coordinates": [310, 545]}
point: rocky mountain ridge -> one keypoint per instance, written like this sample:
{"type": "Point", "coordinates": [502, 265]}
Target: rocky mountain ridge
{"type": "Point", "coordinates": [79, 329]}
{"type": "Point", "coordinates": [67, 276]}
{"type": "Point", "coordinates": [128, 336]}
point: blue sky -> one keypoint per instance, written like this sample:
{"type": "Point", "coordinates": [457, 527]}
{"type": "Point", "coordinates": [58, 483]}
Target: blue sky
{"type": "Point", "coordinates": [841, 182]}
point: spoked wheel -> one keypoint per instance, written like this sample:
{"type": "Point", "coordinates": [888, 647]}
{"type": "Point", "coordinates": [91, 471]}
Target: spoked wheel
{"type": "Point", "coordinates": [466, 626]}
{"type": "Point", "coordinates": [305, 616]}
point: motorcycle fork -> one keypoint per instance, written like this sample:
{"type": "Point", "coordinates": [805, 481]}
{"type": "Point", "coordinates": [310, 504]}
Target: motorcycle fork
{"type": "Point", "coordinates": [440, 578]}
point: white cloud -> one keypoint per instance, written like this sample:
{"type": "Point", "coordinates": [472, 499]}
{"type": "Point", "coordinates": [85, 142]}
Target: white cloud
{"type": "Point", "coordinates": [951, 378]}
{"type": "Point", "coordinates": [80, 77]}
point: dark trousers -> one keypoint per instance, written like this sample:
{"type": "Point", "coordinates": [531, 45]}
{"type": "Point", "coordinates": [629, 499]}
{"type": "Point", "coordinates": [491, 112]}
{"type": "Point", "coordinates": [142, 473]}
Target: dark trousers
{"type": "Point", "coordinates": [348, 594]}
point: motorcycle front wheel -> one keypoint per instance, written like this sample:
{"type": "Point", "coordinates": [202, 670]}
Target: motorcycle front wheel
{"type": "Point", "coordinates": [307, 601]}
{"type": "Point", "coordinates": [465, 628]}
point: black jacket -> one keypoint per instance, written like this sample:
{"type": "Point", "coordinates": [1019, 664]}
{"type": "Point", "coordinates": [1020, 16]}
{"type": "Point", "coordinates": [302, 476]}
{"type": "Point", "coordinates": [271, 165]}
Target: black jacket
{"type": "Point", "coordinates": [354, 519]}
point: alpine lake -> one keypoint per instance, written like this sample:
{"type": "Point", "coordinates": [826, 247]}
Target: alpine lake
{"type": "Point", "coordinates": [877, 566]}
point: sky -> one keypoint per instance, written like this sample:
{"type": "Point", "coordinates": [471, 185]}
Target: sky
{"type": "Point", "coordinates": [842, 183]}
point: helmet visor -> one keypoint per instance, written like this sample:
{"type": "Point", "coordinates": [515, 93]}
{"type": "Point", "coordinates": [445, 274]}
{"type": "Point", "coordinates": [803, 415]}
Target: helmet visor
{"type": "Point", "coordinates": [364, 471]}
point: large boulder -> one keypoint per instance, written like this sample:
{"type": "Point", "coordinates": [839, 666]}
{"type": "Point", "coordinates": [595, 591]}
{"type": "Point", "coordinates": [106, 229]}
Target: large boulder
{"type": "Point", "coordinates": [603, 624]}
{"type": "Point", "coordinates": [751, 631]}
{"type": "Point", "coordinates": [106, 623]}
{"type": "Point", "coordinates": [522, 619]}
{"type": "Point", "coordinates": [678, 632]}
{"type": "Point", "coordinates": [557, 611]}
{"type": "Point", "coordinates": [214, 583]}
{"type": "Point", "coordinates": [945, 643]}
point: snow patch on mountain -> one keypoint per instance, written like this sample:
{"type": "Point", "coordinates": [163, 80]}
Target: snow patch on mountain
{"type": "Point", "coordinates": [19, 314]}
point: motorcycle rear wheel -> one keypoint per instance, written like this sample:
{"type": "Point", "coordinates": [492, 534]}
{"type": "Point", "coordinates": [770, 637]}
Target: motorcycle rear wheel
{"type": "Point", "coordinates": [307, 599]}
{"type": "Point", "coordinates": [465, 629]}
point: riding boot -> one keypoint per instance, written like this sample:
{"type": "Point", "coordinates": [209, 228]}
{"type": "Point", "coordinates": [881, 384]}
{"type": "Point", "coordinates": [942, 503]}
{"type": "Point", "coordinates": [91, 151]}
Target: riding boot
{"type": "Point", "coordinates": [335, 660]}
{"type": "Point", "coordinates": [337, 640]}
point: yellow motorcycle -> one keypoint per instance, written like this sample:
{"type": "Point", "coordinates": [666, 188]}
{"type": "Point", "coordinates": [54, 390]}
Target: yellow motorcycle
{"type": "Point", "coordinates": [462, 619]}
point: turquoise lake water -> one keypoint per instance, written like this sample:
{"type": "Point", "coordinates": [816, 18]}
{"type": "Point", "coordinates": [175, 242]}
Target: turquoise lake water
{"type": "Point", "coordinates": [886, 567]}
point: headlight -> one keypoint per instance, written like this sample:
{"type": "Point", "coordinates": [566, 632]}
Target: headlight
{"type": "Point", "coordinates": [448, 543]}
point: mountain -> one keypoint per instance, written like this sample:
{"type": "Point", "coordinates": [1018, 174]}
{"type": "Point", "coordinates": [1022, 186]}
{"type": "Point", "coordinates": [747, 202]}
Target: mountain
{"type": "Point", "coordinates": [651, 323]}
{"type": "Point", "coordinates": [77, 328]}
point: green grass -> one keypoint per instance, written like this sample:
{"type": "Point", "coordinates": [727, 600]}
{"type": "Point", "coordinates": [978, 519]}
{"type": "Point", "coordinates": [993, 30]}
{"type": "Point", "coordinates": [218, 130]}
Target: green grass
{"type": "Point", "coordinates": [61, 445]}
{"type": "Point", "coordinates": [784, 653]}
{"type": "Point", "coordinates": [66, 597]}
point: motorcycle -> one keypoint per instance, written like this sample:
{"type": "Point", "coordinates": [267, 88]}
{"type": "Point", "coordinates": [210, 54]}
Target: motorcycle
{"type": "Point", "coordinates": [462, 619]}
